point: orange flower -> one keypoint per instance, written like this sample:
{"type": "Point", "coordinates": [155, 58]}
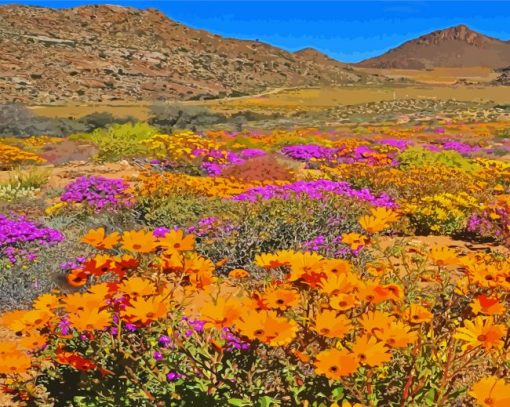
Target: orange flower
{"type": "Point", "coordinates": [198, 264]}
{"type": "Point", "coordinates": [375, 321]}
{"type": "Point", "coordinates": [175, 240]}
{"type": "Point", "coordinates": [78, 302]}
{"type": "Point", "coordinates": [374, 293]}
{"type": "Point", "coordinates": [342, 302]}
{"type": "Point", "coordinates": [336, 266]}
{"type": "Point", "coordinates": [417, 314]}
{"type": "Point", "coordinates": [123, 263]}
{"type": "Point", "coordinates": [331, 325]}
{"type": "Point", "coordinates": [221, 313]}
{"type": "Point", "coordinates": [147, 310]}
{"type": "Point", "coordinates": [335, 364]}
{"type": "Point", "coordinates": [238, 273]}
{"type": "Point", "coordinates": [491, 392]}
{"type": "Point", "coordinates": [443, 256]}
{"type": "Point", "coordinates": [75, 360]}
{"type": "Point", "coordinates": [481, 332]}
{"type": "Point", "coordinates": [355, 240]}
{"type": "Point", "coordinates": [267, 327]}
{"type": "Point", "coordinates": [306, 266]}
{"type": "Point", "coordinates": [33, 341]}
{"type": "Point", "coordinates": [90, 319]}
{"type": "Point", "coordinates": [396, 335]}
{"type": "Point", "coordinates": [77, 278]}
{"type": "Point", "coordinates": [370, 352]}
{"type": "Point", "coordinates": [14, 362]}
{"type": "Point", "coordinates": [487, 276]}
{"type": "Point", "coordinates": [137, 286]}
{"type": "Point", "coordinates": [281, 298]}
{"type": "Point", "coordinates": [33, 319]}
{"type": "Point", "coordinates": [139, 241]}
{"type": "Point", "coordinates": [336, 284]}
{"type": "Point", "coordinates": [379, 220]}
{"type": "Point", "coordinates": [46, 302]}
{"type": "Point", "coordinates": [487, 305]}
{"type": "Point", "coordinates": [98, 239]}
{"type": "Point", "coordinates": [269, 261]}
{"type": "Point", "coordinates": [98, 265]}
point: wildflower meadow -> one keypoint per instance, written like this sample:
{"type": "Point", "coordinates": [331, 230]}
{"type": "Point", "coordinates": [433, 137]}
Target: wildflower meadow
{"type": "Point", "coordinates": [362, 265]}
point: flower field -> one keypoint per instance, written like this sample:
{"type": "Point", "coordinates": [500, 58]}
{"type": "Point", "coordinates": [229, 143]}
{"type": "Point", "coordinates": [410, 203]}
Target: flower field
{"type": "Point", "coordinates": [353, 266]}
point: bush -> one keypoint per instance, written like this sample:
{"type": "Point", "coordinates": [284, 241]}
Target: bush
{"type": "Point", "coordinates": [421, 157]}
{"type": "Point", "coordinates": [17, 120]}
{"type": "Point", "coordinates": [119, 141]}
{"type": "Point", "coordinates": [169, 117]}
{"type": "Point", "coordinates": [99, 120]}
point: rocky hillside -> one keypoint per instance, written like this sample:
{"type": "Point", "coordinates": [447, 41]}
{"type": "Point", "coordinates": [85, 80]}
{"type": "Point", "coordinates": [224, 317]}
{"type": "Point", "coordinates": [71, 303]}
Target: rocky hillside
{"type": "Point", "coordinates": [107, 53]}
{"type": "Point", "coordinates": [453, 47]}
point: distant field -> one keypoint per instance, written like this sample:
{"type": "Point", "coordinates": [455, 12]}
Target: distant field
{"type": "Point", "coordinates": [438, 75]}
{"type": "Point", "coordinates": [140, 111]}
{"type": "Point", "coordinates": [302, 99]}
{"type": "Point", "coordinates": [312, 99]}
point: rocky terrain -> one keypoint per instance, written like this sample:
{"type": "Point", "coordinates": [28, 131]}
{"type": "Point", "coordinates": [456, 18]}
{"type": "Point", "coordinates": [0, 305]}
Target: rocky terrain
{"type": "Point", "coordinates": [453, 47]}
{"type": "Point", "coordinates": [108, 53]}
{"type": "Point", "coordinates": [503, 78]}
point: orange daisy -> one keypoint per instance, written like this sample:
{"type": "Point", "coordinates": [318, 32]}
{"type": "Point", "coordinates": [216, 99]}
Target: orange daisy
{"type": "Point", "coordinates": [146, 310]}
{"type": "Point", "coordinates": [335, 364]}
{"type": "Point", "coordinates": [99, 239]}
{"type": "Point", "coordinates": [90, 319]}
{"type": "Point", "coordinates": [491, 392]}
{"type": "Point", "coordinates": [481, 332]}
{"type": "Point", "coordinates": [281, 298]}
{"type": "Point", "coordinates": [139, 241]}
{"type": "Point", "coordinates": [417, 314]}
{"type": "Point", "coordinates": [175, 240]}
{"type": "Point", "coordinates": [487, 306]}
{"type": "Point", "coordinates": [331, 325]}
{"type": "Point", "coordinates": [370, 352]}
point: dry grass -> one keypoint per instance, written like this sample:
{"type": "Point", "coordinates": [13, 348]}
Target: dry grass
{"type": "Point", "coordinates": [304, 99]}
{"type": "Point", "coordinates": [438, 75]}
{"type": "Point", "coordinates": [319, 98]}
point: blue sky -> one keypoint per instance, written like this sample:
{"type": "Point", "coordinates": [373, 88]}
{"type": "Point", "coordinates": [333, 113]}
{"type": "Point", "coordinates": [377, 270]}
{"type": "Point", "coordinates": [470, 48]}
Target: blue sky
{"type": "Point", "coordinates": [347, 30]}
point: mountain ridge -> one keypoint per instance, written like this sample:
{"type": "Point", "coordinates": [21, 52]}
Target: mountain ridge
{"type": "Point", "coordinates": [457, 46]}
{"type": "Point", "coordinates": [102, 53]}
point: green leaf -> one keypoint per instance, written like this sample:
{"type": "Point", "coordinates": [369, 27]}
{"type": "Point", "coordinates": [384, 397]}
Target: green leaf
{"type": "Point", "coordinates": [238, 402]}
{"type": "Point", "coordinates": [338, 393]}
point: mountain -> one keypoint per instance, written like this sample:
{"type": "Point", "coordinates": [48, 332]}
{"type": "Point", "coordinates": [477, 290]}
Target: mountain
{"type": "Point", "coordinates": [453, 47]}
{"type": "Point", "coordinates": [108, 53]}
{"type": "Point", "coordinates": [315, 56]}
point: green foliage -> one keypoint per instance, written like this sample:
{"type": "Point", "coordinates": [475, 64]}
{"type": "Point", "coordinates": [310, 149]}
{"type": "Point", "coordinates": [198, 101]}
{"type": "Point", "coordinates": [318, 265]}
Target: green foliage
{"type": "Point", "coordinates": [119, 141]}
{"type": "Point", "coordinates": [421, 157]}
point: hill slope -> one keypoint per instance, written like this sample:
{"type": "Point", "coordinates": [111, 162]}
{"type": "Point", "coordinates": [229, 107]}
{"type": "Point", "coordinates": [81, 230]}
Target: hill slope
{"type": "Point", "coordinates": [101, 53]}
{"type": "Point", "coordinates": [453, 47]}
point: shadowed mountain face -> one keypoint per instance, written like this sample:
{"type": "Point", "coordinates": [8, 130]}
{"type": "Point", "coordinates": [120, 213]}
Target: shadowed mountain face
{"type": "Point", "coordinates": [453, 47]}
{"type": "Point", "coordinates": [104, 53]}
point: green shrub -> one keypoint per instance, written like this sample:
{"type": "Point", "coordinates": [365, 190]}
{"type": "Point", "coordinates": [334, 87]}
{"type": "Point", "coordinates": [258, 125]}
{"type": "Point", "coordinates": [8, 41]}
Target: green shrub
{"type": "Point", "coordinates": [421, 157]}
{"type": "Point", "coordinates": [119, 141]}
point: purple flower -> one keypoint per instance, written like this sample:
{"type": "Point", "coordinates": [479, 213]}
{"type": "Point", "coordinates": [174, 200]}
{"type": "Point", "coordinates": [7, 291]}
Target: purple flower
{"type": "Point", "coordinates": [317, 189]}
{"type": "Point", "coordinates": [173, 376]}
{"type": "Point", "coordinates": [252, 153]}
{"type": "Point", "coordinates": [306, 152]}
{"type": "Point", "coordinates": [64, 326]}
{"type": "Point", "coordinates": [21, 237]}
{"type": "Point", "coordinates": [160, 231]}
{"type": "Point", "coordinates": [164, 341]}
{"type": "Point", "coordinates": [98, 192]}
{"type": "Point", "coordinates": [157, 356]}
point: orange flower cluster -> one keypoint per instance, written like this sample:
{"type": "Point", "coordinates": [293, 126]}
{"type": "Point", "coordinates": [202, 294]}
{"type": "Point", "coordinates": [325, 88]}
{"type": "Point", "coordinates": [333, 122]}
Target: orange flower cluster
{"type": "Point", "coordinates": [167, 183]}
{"type": "Point", "coordinates": [10, 156]}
